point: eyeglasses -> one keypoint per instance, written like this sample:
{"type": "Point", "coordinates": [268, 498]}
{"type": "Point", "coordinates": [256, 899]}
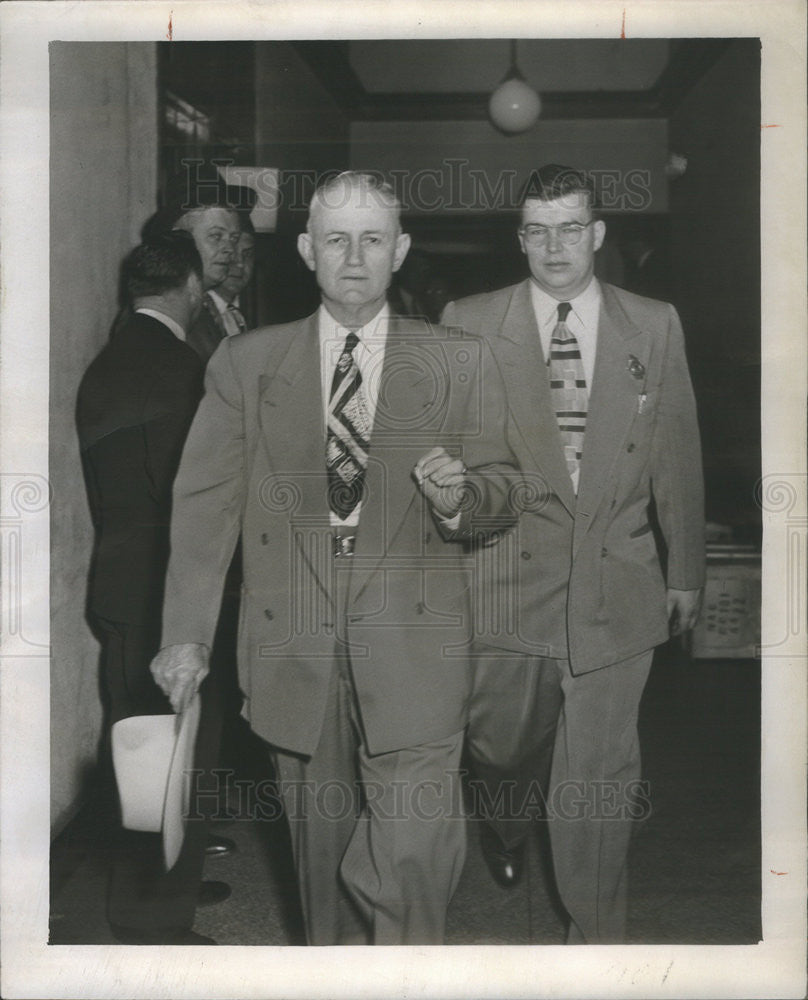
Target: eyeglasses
{"type": "Point", "coordinates": [569, 233]}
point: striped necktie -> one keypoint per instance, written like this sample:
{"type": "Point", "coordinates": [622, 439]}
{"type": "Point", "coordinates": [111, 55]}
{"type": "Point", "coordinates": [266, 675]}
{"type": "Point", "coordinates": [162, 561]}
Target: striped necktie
{"type": "Point", "coordinates": [568, 389]}
{"type": "Point", "coordinates": [348, 437]}
{"type": "Point", "coordinates": [234, 320]}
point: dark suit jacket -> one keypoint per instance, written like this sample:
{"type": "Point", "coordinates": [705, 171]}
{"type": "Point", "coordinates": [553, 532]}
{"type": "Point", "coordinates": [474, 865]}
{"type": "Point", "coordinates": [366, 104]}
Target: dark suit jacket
{"type": "Point", "coordinates": [207, 331]}
{"type": "Point", "coordinates": [255, 460]}
{"type": "Point", "coordinates": [135, 405]}
{"type": "Point", "coordinates": [582, 576]}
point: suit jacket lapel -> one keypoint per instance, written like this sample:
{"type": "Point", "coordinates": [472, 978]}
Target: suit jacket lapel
{"type": "Point", "coordinates": [613, 401]}
{"type": "Point", "coordinates": [389, 490]}
{"type": "Point", "coordinates": [208, 331]}
{"type": "Point", "coordinates": [525, 373]}
{"type": "Point", "coordinates": [291, 414]}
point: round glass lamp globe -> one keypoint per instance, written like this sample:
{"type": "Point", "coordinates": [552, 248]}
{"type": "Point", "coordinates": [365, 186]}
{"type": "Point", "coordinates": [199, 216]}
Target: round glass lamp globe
{"type": "Point", "coordinates": [514, 106]}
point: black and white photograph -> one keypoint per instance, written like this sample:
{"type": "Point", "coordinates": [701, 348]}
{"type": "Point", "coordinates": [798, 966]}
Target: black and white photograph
{"type": "Point", "coordinates": [403, 500]}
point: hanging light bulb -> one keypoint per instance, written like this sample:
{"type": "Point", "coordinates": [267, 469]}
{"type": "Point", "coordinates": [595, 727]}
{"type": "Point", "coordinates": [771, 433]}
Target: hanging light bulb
{"type": "Point", "coordinates": [514, 106]}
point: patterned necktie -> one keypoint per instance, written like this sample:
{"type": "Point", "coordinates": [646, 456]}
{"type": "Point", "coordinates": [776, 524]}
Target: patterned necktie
{"type": "Point", "coordinates": [348, 437]}
{"type": "Point", "coordinates": [568, 389]}
{"type": "Point", "coordinates": [234, 320]}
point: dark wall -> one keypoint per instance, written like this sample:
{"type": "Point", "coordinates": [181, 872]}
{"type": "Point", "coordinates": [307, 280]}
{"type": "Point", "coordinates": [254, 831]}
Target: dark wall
{"type": "Point", "coordinates": [301, 131]}
{"type": "Point", "coordinates": [260, 105]}
{"type": "Point", "coordinates": [715, 234]}
{"type": "Point", "coordinates": [103, 186]}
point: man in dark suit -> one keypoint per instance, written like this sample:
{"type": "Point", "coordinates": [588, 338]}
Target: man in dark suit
{"type": "Point", "coordinates": [135, 405]}
{"type": "Point", "coordinates": [602, 419]}
{"type": "Point", "coordinates": [350, 448]}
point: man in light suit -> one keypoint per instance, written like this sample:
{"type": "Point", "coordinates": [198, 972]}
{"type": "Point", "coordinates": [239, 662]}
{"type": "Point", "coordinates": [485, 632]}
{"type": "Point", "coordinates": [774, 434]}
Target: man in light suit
{"type": "Point", "coordinates": [350, 448]}
{"type": "Point", "coordinates": [602, 420]}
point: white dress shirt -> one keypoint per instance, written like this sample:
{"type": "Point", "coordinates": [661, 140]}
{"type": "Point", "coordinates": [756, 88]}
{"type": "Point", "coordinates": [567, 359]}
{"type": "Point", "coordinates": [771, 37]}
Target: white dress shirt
{"type": "Point", "coordinates": [231, 326]}
{"type": "Point", "coordinates": [172, 324]}
{"type": "Point", "coordinates": [369, 357]}
{"type": "Point", "coordinates": [582, 322]}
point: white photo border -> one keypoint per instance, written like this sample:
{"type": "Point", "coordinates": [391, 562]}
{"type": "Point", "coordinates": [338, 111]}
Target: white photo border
{"type": "Point", "coordinates": [31, 968]}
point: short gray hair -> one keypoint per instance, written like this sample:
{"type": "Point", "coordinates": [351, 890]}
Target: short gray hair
{"type": "Point", "coordinates": [188, 219]}
{"type": "Point", "coordinates": [354, 180]}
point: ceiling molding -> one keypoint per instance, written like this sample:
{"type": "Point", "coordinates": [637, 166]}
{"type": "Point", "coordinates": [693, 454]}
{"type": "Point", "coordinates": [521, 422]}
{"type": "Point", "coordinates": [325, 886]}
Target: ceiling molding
{"type": "Point", "coordinates": [330, 62]}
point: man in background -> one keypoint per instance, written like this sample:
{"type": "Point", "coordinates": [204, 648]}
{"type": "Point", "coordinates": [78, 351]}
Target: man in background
{"type": "Point", "coordinates": [135, 405]}
{"type": "Point", "coordinates": [227, 296]}
{"type": "Point", "coordinates": [603, 421]}
{"type": "Point", "coordinates": [239, 750]}
{"type": "Point", "coordinates": [216, 231]}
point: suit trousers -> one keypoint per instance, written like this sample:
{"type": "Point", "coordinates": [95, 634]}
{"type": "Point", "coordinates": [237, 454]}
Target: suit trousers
{"type": "Point", "coordinates": [142, 895]}
{"type": "Point", "coordinates": [593, 794]}
{"type": "Point", "coordinates": [596, 795]}
{"type": "Point", "coordinates": [379, 841]}
{"type": "Point", "coordinates": [513, 716]}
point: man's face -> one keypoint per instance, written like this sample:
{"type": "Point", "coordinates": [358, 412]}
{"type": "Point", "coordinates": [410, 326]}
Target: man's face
{"type": "Point", "coordinates": [240, 269]}
{"type": "Point", "coordinates": [216, 232]}
{"type": "Point", "coordinates": [353, 245]}
{"type": "Point", "coordinates": [563, 271]}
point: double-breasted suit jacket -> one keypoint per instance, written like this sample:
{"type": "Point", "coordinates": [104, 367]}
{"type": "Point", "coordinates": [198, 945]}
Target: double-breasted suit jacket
{"type": "Point", "coordinates": [254, 461]}
{"type": "Point", "coordinates": [581, 576]}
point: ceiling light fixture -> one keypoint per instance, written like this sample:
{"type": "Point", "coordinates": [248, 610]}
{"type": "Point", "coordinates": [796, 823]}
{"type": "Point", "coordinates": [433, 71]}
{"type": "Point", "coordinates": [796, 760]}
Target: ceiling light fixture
{"type": "Point", "coordinates": [514, 106]}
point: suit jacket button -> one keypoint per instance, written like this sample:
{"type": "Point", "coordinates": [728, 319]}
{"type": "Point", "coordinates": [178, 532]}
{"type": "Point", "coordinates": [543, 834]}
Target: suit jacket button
{"type": "Point", "coordinates": [631, 447]}
{"type": "Point", "coordinates": [268, 614]}
{"type": "Point", "coordinates": [419, 608]}
{"type": "Point", "coordinates": [526, 555]}
{"type": "Point", "coordinates": [265, 539]}
{"type": "Point", "coordinates": [604, 552]}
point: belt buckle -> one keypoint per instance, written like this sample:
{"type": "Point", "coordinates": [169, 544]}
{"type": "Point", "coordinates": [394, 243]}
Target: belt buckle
{"type": "Point", "coordinates": [344, 545]}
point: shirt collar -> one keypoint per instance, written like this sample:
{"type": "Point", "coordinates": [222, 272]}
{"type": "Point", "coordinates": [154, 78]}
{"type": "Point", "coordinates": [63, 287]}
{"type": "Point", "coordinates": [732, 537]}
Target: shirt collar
{"type": "Point", "coordinates": [584, 305]}
{"type": "Point", "coordinates": [372, 335]}
{"type": "Point", "coordinates": [221, 304]}
{"type": "Point", "coordinates": [161, 317]}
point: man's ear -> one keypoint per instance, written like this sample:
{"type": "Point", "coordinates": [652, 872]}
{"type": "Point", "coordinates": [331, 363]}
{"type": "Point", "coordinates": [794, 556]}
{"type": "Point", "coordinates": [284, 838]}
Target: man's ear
{"type": "Point", "coordinates": [194, 288]}
{"type": "Point", "coordinates": [306, 250]}
{"type": "Point", "coordinates": [402, 249]}
{"type": "Point", "coordinates": [600, 233]}
{"type": "Point", "coordinates": [521, 239]}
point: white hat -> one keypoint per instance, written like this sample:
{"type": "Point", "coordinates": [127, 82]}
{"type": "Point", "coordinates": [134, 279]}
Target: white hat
{"type": "Point", "coordinates": [153, 756]}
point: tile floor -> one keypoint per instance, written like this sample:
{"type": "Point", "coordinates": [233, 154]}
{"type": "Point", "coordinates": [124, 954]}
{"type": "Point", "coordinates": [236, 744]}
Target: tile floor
{"type": "Point", "coordinates": [695, 861]}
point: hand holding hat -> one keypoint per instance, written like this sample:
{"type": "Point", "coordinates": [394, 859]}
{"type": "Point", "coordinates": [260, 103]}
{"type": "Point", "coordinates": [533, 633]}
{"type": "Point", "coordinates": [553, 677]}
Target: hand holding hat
{"type": "Point", "coordinates": [153, 756]}
{"type": "Point", "coordinates": [179, 670]}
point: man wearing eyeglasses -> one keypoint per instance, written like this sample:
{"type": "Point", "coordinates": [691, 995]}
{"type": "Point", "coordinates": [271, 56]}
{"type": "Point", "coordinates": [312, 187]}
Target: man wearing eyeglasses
{"type": "Point", "coordinates": [602, 420]}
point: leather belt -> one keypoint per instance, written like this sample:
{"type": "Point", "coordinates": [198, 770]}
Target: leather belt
{"type": "Point", "coordinates": [344, 545]}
